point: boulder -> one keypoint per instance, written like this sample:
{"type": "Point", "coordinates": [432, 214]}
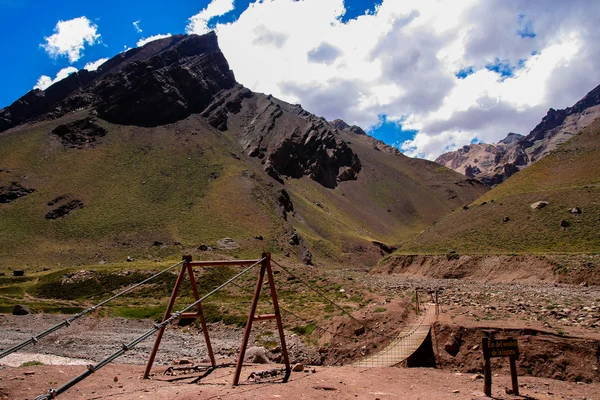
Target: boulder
{"type": "Point", "coordinates": [20, 309]}
{"type": "Point", "coordinates": [506, 219]}
{"type": "Point", "coordinates": [575, 210]}
{"type": "Point", "coordinates": [538, 205]}
{"type": "Point", "coordinates": [307, 257]}
{"type": "Point", "coordinates": [564, 223]}
{"type": "Point", "coordinates": [284, 204]}
{"type": "Point", "coordinates": [227, 244]}
{"type": "Point", "coordinates": [294, 239]}
{"type": "Point", "coordinates": [298, 367]}
{"type": "Point", "coordinates": [19, 272]}
{"type": "Point", "coordinates": [257, 355]}
{"type": "Point", "coordinates": [452, 346]}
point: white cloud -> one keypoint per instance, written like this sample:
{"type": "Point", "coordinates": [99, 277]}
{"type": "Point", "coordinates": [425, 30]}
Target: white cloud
{"type": "Point", "coordinates": [136, 26]}
{"type": "Point", "coordinates": [149, 39]}
{"type": "Point", "coordinates": [70, 37]}
{"type": "Point", "coordinates": [199, 23]}
{"type": "Point", "coordinates": [92, 66]}
{"type": "Point", "coordinates": [401, 62]}
{"type": "Point", "coordinates": [45, 81]}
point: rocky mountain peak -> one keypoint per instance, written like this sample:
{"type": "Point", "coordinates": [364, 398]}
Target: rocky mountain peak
{"type": "Point", "coordinates": [492, 164]}
{"type": "Point", "coordinates": [161, 82]}
{"type": "Point", "coordinates": [512, 138]}
{"type": "Point", "coordinates": [169, 79]}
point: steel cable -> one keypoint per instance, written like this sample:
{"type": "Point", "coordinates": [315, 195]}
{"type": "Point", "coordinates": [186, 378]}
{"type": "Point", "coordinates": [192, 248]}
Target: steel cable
{"type": "Point", "coordinates": [75, 317]}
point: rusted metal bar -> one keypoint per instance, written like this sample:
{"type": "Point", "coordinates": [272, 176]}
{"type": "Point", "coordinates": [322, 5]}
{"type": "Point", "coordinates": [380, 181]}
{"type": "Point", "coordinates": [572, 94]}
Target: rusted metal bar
{"type": "Point", "coordinates": [201, 315]}
{"type": "Point", "coordinates": [248, 329]}
{"type": "Point", "coordinates": [167, 315]}
{"type": "Point", "coordinates": [284, 352]}
{"type": "Point", "coordinates": [189, 315]}
{"type": "Point", "coordinates": [264, 317]}
{"type": "Point", "coordinates": [222, 262]}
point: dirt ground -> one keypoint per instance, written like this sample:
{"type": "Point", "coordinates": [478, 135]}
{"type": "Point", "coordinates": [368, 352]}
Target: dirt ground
{"type": "Point", "coordinates": [124, 382]}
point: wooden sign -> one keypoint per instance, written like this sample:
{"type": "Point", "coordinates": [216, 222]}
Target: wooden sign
{"type": "Point", "coordinates": [499, 348]}
{"type": "Point", "coordinates": [502, 348]}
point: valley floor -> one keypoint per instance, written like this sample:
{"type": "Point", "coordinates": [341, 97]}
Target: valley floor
{"type": "Point", "coordinates": [124, 382]}
{"type": "Point", "coordinates": [557, 326]}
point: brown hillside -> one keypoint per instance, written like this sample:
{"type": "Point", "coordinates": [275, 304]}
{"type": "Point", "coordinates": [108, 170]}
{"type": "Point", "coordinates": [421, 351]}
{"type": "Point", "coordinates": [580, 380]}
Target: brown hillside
{"type": "Point", "coordinates": [502, 220]}
{"type": "Point", "coordinates": [81, 182]}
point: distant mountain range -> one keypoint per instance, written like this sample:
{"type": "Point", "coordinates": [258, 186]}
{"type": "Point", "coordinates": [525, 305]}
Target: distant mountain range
{"type": "Point", "coordinates": [494, 163]}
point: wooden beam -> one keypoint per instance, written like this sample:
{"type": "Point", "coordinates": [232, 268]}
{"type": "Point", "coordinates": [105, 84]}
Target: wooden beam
{"type": "Point", "coordinates": [221, 263]}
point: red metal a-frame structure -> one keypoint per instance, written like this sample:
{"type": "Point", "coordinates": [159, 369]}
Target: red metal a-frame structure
{"type": "Point", "coordinates": [265, 269]}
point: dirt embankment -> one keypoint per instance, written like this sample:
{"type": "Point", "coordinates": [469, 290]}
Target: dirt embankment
{"type": "Point", "coordinates": [563, 268]}
{"type": "Point", "coordinates": [542, 354]}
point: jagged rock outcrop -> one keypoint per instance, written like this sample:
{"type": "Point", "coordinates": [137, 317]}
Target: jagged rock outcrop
{"type": "Point", "coordinates": [13, 191]}
{"type": "Point", "coordinates": [494, 163]}
{"type": "Point", "coordinates": [289, 141]}
{"type": "Point", "coordinates": [79, 133]}
{"type": "Point", "coordinates": [362, 135]}
{"type": "Point", "coordinates": [65, 209]}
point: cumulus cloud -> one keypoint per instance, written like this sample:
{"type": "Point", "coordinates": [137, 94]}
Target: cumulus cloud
{"type": "Point", "coordinates": [266, 37]}
{"type": "Point", "coordinates": [404, 60]}
{"type": "Point", "coordinates": [199, 23]}
{"type": "Point", "coordinates": [45, 81]}
{"type": "Point", "coordinates": [324, 53]}
{"type": "Point", "coordinates": [136, 26]}
{"type": "Point", "coordinates": [92, 66]}
{"type": "Point", "coordinates": [149, 39]}
{"type": "Point", "coordinates": [70, 38]}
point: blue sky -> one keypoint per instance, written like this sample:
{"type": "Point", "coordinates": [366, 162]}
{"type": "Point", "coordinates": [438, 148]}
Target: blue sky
{"type": "Point", "coordinates": [17, 38]}
{"type": "Point", "coordinates": [422, 75]}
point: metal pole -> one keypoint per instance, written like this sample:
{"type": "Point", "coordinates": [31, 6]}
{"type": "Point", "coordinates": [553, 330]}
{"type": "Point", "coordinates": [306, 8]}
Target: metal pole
{"type": "Point", "coordinates": [201, 314]}
{"type": "Point", "coordinates": [165, 317]}
{"type": "Point", "coordinates": [248, 329]}
{"type": "Point", "coordinates": [284, 352]}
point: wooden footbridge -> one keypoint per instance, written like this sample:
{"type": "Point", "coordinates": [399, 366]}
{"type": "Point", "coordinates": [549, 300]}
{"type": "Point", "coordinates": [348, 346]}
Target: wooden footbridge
{"type": "Point", "coordinates": [405, 344]}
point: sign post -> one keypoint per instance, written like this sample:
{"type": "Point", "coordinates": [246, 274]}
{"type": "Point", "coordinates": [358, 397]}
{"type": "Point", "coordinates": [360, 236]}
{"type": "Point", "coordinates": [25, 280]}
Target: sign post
{"type": "Point", "coordinates": [499, 348]}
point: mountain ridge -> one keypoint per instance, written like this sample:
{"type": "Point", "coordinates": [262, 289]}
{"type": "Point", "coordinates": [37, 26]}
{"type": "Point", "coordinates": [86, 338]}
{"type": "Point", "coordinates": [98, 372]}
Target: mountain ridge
{"type": "Point", "coordinates": [222, 162]}
{"type": "Point", "coordinates": [494, 163]}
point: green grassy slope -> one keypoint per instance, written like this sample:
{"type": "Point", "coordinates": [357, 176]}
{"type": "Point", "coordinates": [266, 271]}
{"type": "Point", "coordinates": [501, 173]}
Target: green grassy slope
{"type": "Point", "coordinates": [138, 186]}
{"type": "Point", "coordinates": [180, 185]}
{"type": "Point", "coordinates": [567, 178]}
